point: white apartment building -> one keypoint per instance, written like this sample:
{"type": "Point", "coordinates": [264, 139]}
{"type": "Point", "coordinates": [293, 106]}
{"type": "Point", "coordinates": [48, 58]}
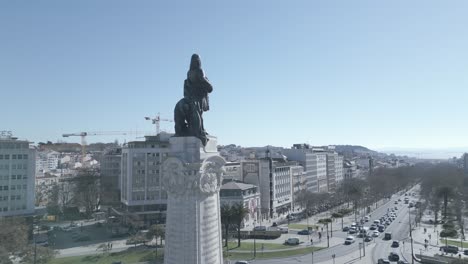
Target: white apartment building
{"type": "Point", "coordinates": [298, 182]}
{"type": "Point", "coordinates": [278, 199]}
{"type": "Point", "coordinates": [246, 194]}
{"type": "Point", "coordinates": [232, 172]}
{"type": "Point", "coordinates": [46, 161]}
{"type": "Point", "coordinates": [17, 176]}
{"type": "Point", "coordinates": [334, 170]}
{"type": "Point", "coordinates": [142, 196]}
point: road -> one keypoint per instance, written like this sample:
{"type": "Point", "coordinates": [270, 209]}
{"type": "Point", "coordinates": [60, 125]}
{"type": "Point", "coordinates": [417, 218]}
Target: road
{"type": "Point", "coordinates": [399, 228]}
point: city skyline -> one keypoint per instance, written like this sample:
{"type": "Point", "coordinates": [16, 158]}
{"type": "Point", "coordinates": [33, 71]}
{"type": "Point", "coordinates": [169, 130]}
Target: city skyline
{"type": "Point", "coordinates": [382, 76]}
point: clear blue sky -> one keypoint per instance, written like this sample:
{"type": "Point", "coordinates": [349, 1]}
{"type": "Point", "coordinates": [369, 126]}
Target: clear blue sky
{"type": "Point", "coordinates": [374, 73]}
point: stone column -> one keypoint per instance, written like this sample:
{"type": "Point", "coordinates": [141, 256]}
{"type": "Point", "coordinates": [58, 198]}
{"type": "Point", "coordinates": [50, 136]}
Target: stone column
{"type": "Point", "coordinates": [192, 178]}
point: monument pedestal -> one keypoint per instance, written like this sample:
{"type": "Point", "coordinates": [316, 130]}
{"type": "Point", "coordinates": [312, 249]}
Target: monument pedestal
{"type": "Point", "coordinates": [192, 178]}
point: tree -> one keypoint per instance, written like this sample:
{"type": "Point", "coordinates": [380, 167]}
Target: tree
{"type": "Point", "coordinates": [156, 231]}
{"type": "Point", "coordinates": [445, 192]}
{"type": "Point", "coordinates": [326, 221]}
{"type": "Point", "coordinates": [238, 214]}
{"type": "Point", "coordinates": [86, 191]}
{"type": "Point", "coordinates": [226, 219]}
{"type": "Point", "coordinates": [353, 190]}
{"type": "Point", "coordinates": [41, 254]}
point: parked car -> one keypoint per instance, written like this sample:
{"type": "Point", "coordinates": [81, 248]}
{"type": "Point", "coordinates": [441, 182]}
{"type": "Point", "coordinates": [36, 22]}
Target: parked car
{"type": "Point", "coordinates": [241, 262]}
{"type": "Point", "coordinates": [366, 218]}
{"type": "Point", "coordinates": [304, 232]}
{"type": "Point", "coordinates": [396, 202]}
{"type": "Point", "coordinates": [375, 233]}
{"type": "Point", "coordinates": [388, 236]}
{"type": "Point", "coordinates": [292, 241]}
{"type": "Point", "coordinates": [349, 240]}
{"type": "Point", "coordinates": [260, 228]}
{"type": "Point", "coordinates": [449, 249]}
{"type": "Point", "coordinates": [352, 230]}
{"type": "Point", "coordinates": [395, 244]}
{"type": "Point", "coordinates": [372, 227]}
{"type": "Point", "coordinates": [465, 252]}
{"type": "Point", "coordinates": [284, 229]}
{"type": "Point", "coordinates": [383, 261]}
{"type": "Point", "coordinates": [393, 256]}
{"type": "Point", "coordinates": [368, 239]}
{"type": "Point", "coordinates": [345, 229]}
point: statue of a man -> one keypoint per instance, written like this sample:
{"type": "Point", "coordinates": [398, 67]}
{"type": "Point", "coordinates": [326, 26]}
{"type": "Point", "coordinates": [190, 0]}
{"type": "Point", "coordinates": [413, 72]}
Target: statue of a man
{"type": "Point", "coordinates": [189, 110]}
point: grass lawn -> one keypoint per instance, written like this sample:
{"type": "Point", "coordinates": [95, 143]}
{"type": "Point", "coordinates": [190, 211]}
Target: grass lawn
{"type": "Point", "coordinates": [453, 243]}
{"type": "Point", "coordinates": [128, 256]}
{"type": "Point", "coordinates": [300, 226]}
{"type": "Point", "coordinates": [268, 255]}
{"type": "Point", "coordinates": [249, 246]}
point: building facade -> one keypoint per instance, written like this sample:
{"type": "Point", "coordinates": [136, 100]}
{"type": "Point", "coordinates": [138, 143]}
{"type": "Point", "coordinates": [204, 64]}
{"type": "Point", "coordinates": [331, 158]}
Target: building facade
{"type": "Point", "coordinates": [245, 194]}
{"type": "Point", "coordinates": [17, 176]}
{"type": "Point", "coordinates": [143, 199]}
{"type": "Point", "coordinates": [111, 163]}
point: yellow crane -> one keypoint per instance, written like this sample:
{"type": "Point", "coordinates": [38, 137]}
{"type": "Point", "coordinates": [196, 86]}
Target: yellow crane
{"type": "Point", "coordinates": [83, 136]}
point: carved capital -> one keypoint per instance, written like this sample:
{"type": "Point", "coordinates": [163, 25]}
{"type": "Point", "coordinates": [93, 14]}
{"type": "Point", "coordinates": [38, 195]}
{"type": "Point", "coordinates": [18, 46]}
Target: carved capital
{"type": "Point", "coordinates": [179, 178]}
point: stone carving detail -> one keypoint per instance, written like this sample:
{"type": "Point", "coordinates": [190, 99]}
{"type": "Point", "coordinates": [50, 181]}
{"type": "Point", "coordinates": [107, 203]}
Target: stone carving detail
{"type": "Point", "coordinates": [211, 172]}
{"type": "Point", "coordinates": [181, 178]}
{"type": "Point", "coordinates": [175, 178]}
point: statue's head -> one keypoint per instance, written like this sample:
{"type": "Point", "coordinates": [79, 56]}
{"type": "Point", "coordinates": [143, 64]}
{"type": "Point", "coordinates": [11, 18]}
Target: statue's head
{"type": "Point", "coordinates": [195, 62]}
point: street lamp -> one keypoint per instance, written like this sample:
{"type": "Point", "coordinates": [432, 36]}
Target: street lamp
{"type": "Point", "coordinates": [333, 257]}
{"type": "Point", "coordinates": [312, 245]}
{"type": "Point", "coordinates": [255, 244]}
{"type": "Point", "coordinates": [411, 235]}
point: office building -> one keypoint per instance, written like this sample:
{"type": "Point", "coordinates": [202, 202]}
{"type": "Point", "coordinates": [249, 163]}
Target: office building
{"type": "Point", "coordinates": [17, 176]}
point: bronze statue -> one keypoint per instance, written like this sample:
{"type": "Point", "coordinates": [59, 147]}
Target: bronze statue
{"type": "Point", "coordinates": [189, 110]}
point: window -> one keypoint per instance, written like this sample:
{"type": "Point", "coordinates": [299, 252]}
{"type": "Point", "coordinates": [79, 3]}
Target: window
{"type": "Point", "coordinates": [25, 156]}
{"type": "Point", "coordinates": [1, 157]}
{"type": "Point", "coordinates": [13, 177]}
{"type": "Point", "coordinates": [13, 187]}
{"type": "Point", "coordinates": [20, 156]}
{"type": "Point", "coordinates": [13, 197]}
{"type": "Point", "coordinates": [18, 177]}
{"type": "Point", "coordinates": [18, 197]}
{"type": "Point", "coordinates": [5, 188]}
{"type": "Point", "coordinates": [1, 188]}
{"type": "Point", "coordinates": [13, 166]}
{"type": "Point", "coordinates": [18, 187]}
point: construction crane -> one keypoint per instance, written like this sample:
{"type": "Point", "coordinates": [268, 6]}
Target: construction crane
{"type": "Point", "coordinates": [156, 120]}
{"type": "Point", "coordinates": [101, 133]}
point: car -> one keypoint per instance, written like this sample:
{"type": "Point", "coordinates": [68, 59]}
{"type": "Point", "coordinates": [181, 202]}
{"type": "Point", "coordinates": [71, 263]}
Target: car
{"type": "Point", "coordinates": [375, 233]}
{"type": "Point", "coordinates": [241, 262]}
{"type": "Point", "coordinates": [402, 262]}
{"type": "Point", "coordinates": [274, 224]}
{"type": "Point", "coordinates": [304, 232]}
{"type": "Point", "coordinates": [395, 244]}
{"type": "Point", "coordinates": [260, 228]}
{"type": "Point", "coordinates": [381, 229]}
{"type": "Point", "coordinates": [366, 218]}
{"type": "Point", "coordinates": [383, 261]}
{"type": "Point", "coordinates": [292, 241]}
{"type": "Point", "coordinates": [396, 208]}
{"type": "Point", "coordinates": [349, 240]}
{"type": "Point", "coordinates": [345, 229]}
{"type": "Point", "coordinates": [377, 222]}
{"type": "Point", "coordinates": [399, 199]}
{"type": "Point", "coordinates": [283, 229]}
{"type": "Point", "coordinates": [396, 202]}
{"type": "Point", "coordinates": [387, 236]}
{"type": "Point", "coordinates": [372, 227]}
{"type": "Point", "coordinates": [352, 231]}
{"type": "Point", "coordinates": [449, 249]}
{"type": "Point", "coordinates": [393, 256]}
{"type": "Point", "coordinates": [388, 222]}
{"type": "Point", "coordinates": [465, 252]}
{"type": "Point", "coordinates": [368, 239]}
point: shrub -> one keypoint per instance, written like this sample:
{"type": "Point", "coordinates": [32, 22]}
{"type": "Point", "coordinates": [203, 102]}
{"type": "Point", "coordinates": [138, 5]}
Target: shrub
{"type": "Point", "coordinates": [448, 233]}
{"type": "Point", "coordinates": [448, 225]}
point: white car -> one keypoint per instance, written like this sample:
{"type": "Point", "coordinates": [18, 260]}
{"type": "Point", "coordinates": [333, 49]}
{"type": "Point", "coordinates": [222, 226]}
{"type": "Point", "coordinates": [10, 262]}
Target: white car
{"type": "Point", "coordinates": [375, 233]}
{"type": "Point", "coordinates": [349, 240]}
